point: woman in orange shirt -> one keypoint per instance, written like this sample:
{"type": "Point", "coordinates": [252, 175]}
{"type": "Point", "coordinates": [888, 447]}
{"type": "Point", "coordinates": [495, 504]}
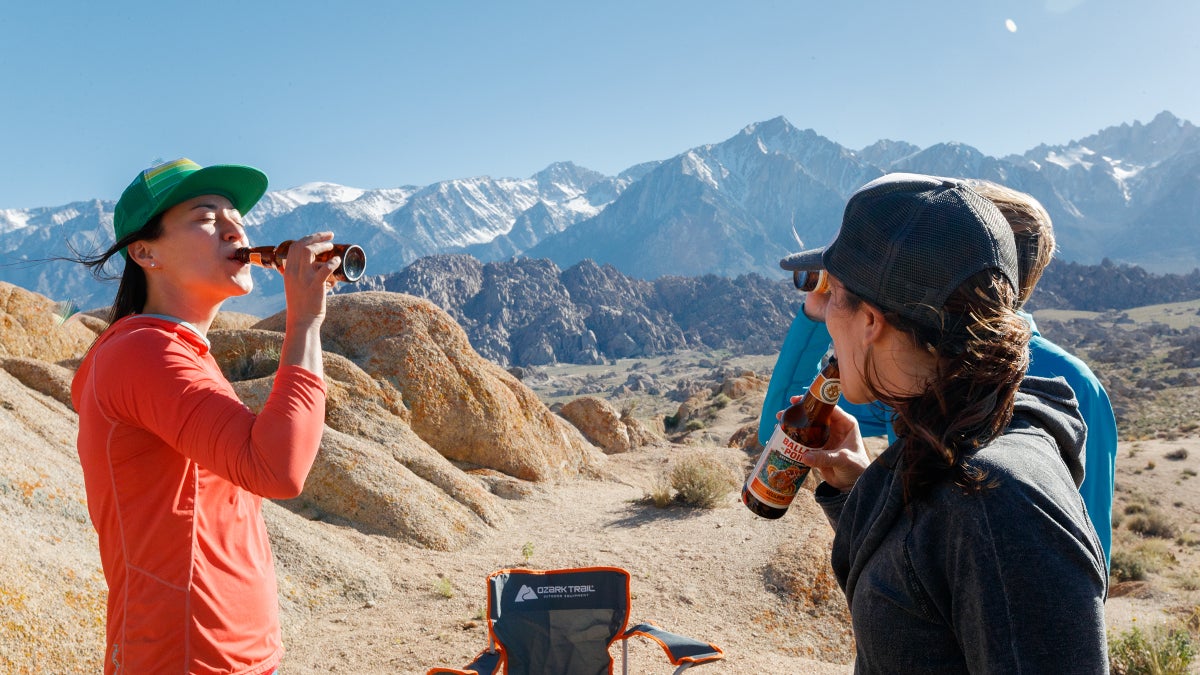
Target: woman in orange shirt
{"type": "Point", "coordinates": [175, 466]}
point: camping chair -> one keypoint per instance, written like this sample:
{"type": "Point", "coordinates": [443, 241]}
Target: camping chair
{"type": "Point", "coordinates": [562, 622]}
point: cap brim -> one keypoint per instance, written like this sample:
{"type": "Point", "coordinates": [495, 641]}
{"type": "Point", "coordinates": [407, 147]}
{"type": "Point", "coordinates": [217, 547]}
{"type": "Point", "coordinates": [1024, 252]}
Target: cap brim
{"type": "Point", "coordinates": [243, 185]}
{"type": "Point", "coordinates": [804, 261]}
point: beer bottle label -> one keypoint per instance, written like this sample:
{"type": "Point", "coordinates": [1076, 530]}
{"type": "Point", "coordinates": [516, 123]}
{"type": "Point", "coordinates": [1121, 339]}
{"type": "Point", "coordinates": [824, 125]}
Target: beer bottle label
{"type": "Point", "coordinates": [827, 389]}
{"type": "Point", "coordinates": [779, 472]}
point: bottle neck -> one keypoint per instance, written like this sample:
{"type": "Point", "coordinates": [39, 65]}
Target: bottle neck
{"type": "Point", "coordinates": [263, 256]}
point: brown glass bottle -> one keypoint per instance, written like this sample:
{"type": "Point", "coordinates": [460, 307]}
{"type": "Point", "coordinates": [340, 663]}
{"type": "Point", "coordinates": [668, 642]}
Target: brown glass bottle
{"type": "Point", "coordinates": [354, 259]}
{"type": "Point", "coordinates": [779, 471]}
{"type": "Point", "coordinates": [811, 281]}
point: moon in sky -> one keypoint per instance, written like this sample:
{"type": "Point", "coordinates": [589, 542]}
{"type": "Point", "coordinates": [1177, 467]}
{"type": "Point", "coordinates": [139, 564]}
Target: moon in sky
{"type": "Point", "coordinates": [1010, 25]}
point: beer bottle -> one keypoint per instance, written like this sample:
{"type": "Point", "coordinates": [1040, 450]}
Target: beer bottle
{"type": "Point", "coordinates": [779, 471]}
{"type": "Point", "coordinates": [354, 259]}
{"type": "Point", "coordinates": [811, 281]}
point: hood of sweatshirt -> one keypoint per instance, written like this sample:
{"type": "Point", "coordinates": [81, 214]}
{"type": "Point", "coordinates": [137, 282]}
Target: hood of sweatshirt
{"type": "Point", "coordinates": [1050, 405]}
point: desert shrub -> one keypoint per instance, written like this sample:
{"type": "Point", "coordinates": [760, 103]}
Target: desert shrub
{"type": "Point", "coordinates": [1127, 566]}
{"type": "Point", "coordinates": [628, 409]}
{"type": "Point", "coordinates": [1189, 581]}
{"type": "Point", "coordinates": [1162, 651]}
{"type": "Point", "coordinates": [694, 425]}
{"type": "Point", "coordinates": [1187, 539]}
{"type": "Point", "coordinates": [1148, 556]}
{"type": "Point", "coordinates": [720, 401]}
{"type": "Point", "coordinates": [660, 495]}
{"type": "Point", "coordinates": [1153, 523]}
{"type": "Point", "coordinates": [1177, 454]}
{"type": "Point", "coordinates": [702, 481]}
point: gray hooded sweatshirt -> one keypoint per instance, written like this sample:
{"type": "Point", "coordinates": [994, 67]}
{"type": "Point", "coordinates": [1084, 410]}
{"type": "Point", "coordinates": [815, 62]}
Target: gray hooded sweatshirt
{"type": "Point", "coordinates": [1007, 579]}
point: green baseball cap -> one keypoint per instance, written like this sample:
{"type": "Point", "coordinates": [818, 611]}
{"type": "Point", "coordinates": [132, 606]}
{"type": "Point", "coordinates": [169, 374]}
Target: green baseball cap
{"type": "Point", "coordinates": [160, 187]}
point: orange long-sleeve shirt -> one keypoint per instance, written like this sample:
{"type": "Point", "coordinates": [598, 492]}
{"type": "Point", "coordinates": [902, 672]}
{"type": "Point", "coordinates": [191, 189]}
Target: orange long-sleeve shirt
{"type": "Point", "coordinates": [175, 469]}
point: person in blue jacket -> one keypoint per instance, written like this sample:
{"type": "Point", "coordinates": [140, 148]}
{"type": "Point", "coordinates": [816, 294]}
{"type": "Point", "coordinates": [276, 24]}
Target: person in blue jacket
{"type": "Point", "coordinates": [808, 339]}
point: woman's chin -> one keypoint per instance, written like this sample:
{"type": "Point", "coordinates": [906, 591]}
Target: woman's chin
{"type": "Point", "coordinates": [242, 286]}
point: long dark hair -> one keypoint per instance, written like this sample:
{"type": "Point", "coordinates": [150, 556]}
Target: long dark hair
{"type": "Point", "coordinates": [131, 294]}
{"type": "Point", "coordinates": [982, 353]}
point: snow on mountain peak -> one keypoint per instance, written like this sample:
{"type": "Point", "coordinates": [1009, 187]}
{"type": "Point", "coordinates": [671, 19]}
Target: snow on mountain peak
{"type": "Point", "coordinates": [1071, 156]}
{"type": "Point", "coordinates": [694, 165]}
{"type": "Point", "coordinates": [12, 220]}
{"type": "Point", "coordinates": [320, 191]}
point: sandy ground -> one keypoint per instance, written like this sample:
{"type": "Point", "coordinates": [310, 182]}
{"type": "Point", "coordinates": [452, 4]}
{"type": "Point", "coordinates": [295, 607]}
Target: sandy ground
{"type": "Point", "coordinates": [1152, 473]}
{"type": "Point", "coordinates": [697, 572]}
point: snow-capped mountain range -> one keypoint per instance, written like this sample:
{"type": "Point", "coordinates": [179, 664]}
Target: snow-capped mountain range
{"type": "Point", "coordinates": [726, 208]}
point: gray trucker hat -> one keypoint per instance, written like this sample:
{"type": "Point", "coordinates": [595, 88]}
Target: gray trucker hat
{"type": "Point", "coordinates": [907, 241]}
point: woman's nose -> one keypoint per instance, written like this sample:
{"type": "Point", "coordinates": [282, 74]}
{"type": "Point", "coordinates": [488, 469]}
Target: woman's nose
{"type": "Point", "coordinates": [234, 230]}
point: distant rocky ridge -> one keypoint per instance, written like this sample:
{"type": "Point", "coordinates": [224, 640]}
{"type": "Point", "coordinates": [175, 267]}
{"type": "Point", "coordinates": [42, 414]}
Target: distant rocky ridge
{"type": "Point", "coordinates": [1096, 288]}
{"type": "Point", "coordinates": [529, 312]}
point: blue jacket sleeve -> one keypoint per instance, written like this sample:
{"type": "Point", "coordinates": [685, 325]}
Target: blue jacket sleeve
{"type": "Point", "coordinates": [799, 358]}
{"type": "Point", "coordinates": [1047, 359]}
{"type": "Point", "coordinates": [798, 363]}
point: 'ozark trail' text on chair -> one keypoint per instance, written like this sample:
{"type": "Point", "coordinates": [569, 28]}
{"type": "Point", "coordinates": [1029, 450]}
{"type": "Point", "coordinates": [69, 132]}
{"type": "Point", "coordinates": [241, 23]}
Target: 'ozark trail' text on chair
{"type": "Point", "coordinates": [562, 622]}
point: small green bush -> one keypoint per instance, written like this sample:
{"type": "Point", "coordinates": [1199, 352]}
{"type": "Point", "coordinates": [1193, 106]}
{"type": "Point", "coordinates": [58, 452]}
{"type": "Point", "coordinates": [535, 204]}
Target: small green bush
{"type": "Point", "coordinates": [661, 494]}
{"type": "Point", "coordinates": [702, 481]}
{"type": "Point", "coordinates": [1153, 523]}
{"type": "Point", "coordinates": [694, 425]}
{"type": "Point", "coordinates": [1151, 555]}
{"type": "Point", "coordinates": [1161, 652]}
{"type": "Point", "coordinates": [720, 401]}
{"type": "Point", "coordinates": [1127, 566]}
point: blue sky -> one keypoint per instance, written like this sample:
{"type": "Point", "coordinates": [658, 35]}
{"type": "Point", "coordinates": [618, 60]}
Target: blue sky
{"type": "Point", "coordinates": [381, 93]}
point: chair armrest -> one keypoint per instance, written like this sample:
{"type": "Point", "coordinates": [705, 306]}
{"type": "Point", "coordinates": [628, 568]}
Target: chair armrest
{"type": "Point", "coordinates": [679, 649]}
{"type": "Point", "coordinates": [486, 662]}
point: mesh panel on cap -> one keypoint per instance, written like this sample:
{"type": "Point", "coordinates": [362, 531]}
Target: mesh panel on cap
{"type": "Point", "coordinates": [864, 253]}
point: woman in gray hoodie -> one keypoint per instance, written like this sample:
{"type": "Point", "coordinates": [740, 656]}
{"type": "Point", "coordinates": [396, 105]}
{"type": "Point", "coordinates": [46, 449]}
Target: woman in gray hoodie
{"type": "Point", "coordinates": [965, 546]}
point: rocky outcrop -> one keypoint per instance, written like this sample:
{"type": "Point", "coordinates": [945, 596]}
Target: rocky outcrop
{"type": "Point", "coordinates": [524, 306]}
{"type": "Point", "coordinates": [34, 326]}
{"type": "Point", "coordinates": [742, 384]}
{"type": "Point", "coordinates": [622, 312]}
{"type": "Point", "coordinates": [748, 315]}
{"type": "Point", "coordinates": [373, 472]}
{"type": "Point", "coordinates": [50, 579]}
{"type": "Point", "coordinates": [46, 378]}
{"type": "Point", "coordinates": [605, 426]}
{"type": "Point", "coordinates": [448, 281]}
{"type": "Point", "coordinates": [471, 410]}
